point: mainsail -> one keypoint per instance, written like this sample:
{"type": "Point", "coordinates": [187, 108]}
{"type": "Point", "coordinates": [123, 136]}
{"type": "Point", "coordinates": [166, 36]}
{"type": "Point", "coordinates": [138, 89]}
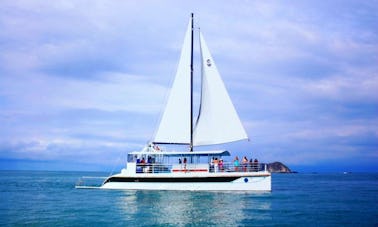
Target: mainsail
{"type": "Point", "coordinates": [217, 121]}
{"type": "Point", "coordinates": [175, 122]}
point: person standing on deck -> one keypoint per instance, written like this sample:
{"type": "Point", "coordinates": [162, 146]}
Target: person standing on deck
{"type": "Point", "coordinates": [245, 163]}
{"type": "Point", "coordinates": [236, 163]}
{"type": "Point", "coordinates": [221, 165]}
{"type": "Point", "coordinates": [256, 165]}
{"type": "Point", "coordinates": [185, 163]}
{"type": "Point", "coordinates": [250, 166]}
{"type": "Point", "coordinates": [216, 165]}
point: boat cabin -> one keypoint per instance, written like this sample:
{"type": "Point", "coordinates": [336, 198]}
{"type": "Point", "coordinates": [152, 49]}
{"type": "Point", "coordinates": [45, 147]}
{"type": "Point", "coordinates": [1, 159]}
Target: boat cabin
{"type": "Point", "coordinates": [156, 161]}
{"type": "Point", "coordinates": [166, 162]}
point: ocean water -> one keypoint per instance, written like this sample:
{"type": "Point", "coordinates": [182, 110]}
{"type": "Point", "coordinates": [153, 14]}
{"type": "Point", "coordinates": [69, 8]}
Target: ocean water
{"type": "Point", "coordinates": [38, 198]}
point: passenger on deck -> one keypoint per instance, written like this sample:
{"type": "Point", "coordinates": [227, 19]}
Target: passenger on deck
{"type": "Point", "coordinates": [184, 163]}
{"type": "Point", "coordinates": [256, 165]}
{"type": "Point", "coordinates": [156, 148]}
{"type": "Point", "coordinates": [250, 165]}
{"type": "Point", "coordinates": [236, 163]}
{"type": "Point", "coordinates": [149, 162]}
{"type": "Point", "coordinates": [221, 168]}
{"type": "Point", "coordinates": [216, 165]}
{"type": "Point", "coordinates": [143, 162]}
{"type": "Point", "coordinates": [138, 168]}
{"type": "Point", "coordinates": [245, 163]}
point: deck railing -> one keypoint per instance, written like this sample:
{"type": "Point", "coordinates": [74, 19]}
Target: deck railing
{"type": "Point", "coordinates": [225, 167]}
{"type": "Point", "coordinates": [230, 167]}
{"type": "Point", "coordinates": [153, 168]}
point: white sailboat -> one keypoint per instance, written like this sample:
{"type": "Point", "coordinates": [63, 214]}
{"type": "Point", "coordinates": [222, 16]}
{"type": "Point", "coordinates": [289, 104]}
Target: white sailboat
{"type": "Point", "coordinates": [217, 123]}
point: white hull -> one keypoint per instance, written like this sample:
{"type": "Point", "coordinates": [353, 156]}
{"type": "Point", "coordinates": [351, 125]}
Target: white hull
{"type": "Point", "coordinates": [245, 183]}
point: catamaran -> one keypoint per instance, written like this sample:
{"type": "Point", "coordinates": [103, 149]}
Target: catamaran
{"type": "Point", "coordinates": [154, 168]}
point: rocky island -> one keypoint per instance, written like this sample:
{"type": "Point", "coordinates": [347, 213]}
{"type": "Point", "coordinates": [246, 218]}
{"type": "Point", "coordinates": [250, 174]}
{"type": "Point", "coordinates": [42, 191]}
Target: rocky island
{"type": "Point", "coordinates": [278, 167]}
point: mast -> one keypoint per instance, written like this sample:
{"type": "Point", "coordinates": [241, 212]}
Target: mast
{"type": "Point", "coordinates": [191, 90]}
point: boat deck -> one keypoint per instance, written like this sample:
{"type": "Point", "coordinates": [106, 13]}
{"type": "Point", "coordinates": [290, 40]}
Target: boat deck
{"type": "Point", "coordinates": [206, 168]}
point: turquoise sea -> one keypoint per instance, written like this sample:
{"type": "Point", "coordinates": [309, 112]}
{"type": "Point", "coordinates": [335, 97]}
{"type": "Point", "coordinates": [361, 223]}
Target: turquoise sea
{"type": "Point", "coordinates": [41, 198]}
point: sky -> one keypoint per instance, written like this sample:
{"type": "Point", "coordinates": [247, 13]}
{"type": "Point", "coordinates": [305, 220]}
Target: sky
{"type": "Point", "coordinates": [82, 83]}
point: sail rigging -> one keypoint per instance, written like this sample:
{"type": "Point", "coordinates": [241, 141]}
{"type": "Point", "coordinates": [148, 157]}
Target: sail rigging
{"type": "Point", "coordinates": [217, 122]}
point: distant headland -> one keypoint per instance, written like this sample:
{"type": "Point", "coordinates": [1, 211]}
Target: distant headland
{"type": "Point", "coordinates": [278, 167]}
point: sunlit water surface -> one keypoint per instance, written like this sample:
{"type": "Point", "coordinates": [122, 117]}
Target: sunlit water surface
{"type": "Point", "coordinates": [50, 199]}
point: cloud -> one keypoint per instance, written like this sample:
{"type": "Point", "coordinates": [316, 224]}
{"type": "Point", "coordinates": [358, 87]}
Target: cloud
{"type": "Point", "coordinates": [88, 79]}
{"type": "Point", "coordinates": [114, 92]}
